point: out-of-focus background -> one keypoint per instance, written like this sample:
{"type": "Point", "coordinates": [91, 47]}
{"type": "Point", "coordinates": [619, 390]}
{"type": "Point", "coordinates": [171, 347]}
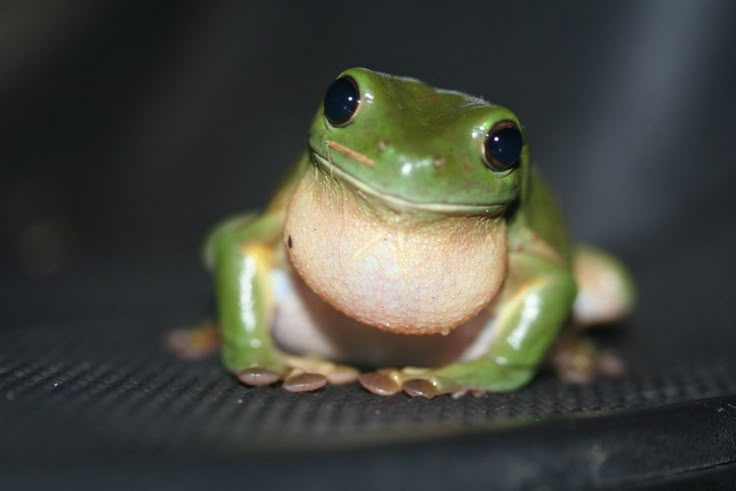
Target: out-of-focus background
{"type": "Point", "coordinates": [128, 128]}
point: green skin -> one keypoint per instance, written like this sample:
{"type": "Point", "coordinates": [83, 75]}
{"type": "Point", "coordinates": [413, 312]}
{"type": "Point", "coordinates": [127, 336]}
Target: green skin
{"type": "Point", "coordinates": [420, 122]}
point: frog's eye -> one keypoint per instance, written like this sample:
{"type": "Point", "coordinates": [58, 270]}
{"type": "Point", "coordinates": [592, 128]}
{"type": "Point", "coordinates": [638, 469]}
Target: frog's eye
{"type": "Point", "coordinates": [341, 101]}
{"type": "Point", "coordinates": [502, 147]}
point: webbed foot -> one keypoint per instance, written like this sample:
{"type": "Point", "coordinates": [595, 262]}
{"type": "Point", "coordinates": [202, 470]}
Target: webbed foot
{"type": "Point", "coordinates": [476, 377]}
{"type": "Point", "coordinates": [578, 360]}
{"type": "Point", "coordinates": [298, 374]}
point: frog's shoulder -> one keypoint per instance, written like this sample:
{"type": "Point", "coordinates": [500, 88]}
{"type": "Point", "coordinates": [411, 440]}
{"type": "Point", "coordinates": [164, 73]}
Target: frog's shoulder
{"type": "Point", "coordinates": [539, 217]}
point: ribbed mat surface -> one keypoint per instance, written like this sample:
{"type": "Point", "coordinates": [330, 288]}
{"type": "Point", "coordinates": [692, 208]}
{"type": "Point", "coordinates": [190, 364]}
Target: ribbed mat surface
{"type": "Point", "coordinates": [106, 385]}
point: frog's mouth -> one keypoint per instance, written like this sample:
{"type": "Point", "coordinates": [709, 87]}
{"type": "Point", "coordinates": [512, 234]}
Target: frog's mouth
{"type": "Point", "coordinates": [495, 208]}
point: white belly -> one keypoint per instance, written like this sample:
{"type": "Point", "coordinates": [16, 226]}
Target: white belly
{"type": "Point", "coordinates": [305, 324]}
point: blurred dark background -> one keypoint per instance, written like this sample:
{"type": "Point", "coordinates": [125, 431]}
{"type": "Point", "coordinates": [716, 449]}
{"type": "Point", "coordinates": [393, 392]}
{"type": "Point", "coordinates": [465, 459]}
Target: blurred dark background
{"type": "Point", "coordinates": [128, 128]}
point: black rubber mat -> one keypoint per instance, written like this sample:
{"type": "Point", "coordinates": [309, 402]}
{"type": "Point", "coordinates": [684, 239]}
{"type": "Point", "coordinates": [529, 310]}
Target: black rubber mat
{"type": "Point", "coordinates": [104, 390]}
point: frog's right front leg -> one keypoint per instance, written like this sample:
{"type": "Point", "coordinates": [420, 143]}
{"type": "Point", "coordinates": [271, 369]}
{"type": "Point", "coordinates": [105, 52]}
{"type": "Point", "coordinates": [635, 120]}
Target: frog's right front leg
{"type": "Point", "coordinates": [241, 254]}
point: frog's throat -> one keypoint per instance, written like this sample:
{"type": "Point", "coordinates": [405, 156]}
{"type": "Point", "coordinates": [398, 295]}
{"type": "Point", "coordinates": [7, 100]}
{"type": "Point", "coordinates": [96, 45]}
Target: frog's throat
{"type": "Point", "coordinates": [491, 209]}
{"type": "Point", "coordinates": [399, 272]}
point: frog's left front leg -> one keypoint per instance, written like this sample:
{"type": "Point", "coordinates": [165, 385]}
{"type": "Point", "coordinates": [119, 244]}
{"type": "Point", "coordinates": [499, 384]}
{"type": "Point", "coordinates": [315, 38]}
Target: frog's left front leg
{"type": "Point", "coordinates": [534, 304]}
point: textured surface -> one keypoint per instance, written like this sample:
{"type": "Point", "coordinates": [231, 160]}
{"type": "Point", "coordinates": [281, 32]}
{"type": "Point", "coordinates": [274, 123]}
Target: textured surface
{"type": "Point", "coordinates": [105, 387]}
{"type": "Point", "coordinates": [98, 390]}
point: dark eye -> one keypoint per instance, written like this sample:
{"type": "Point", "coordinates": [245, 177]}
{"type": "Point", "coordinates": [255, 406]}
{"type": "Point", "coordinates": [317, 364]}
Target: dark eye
{"type": "Point", "coordinates": [502, 148]}
{"type": "Point", "coordinates": [341, 101]}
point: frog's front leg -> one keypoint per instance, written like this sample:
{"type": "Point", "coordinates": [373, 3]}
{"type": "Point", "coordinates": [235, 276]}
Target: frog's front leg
{"type": "Point", "coordinates": [241, 254]}
{"type": "Point", "coordinates": [536, 301]}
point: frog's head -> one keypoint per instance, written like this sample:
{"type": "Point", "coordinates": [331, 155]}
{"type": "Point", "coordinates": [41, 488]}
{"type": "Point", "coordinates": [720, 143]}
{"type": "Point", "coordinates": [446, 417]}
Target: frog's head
{"type": "Point", "coordinates": [400, 226]}
{"type": "Point", "coordinates": [417, 147]}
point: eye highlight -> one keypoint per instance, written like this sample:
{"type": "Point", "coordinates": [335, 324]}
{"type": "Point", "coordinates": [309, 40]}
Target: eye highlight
{"type": "Point", "coordinates": [341, 101]}
{"type": "Point", "coordinates": [502, 147]}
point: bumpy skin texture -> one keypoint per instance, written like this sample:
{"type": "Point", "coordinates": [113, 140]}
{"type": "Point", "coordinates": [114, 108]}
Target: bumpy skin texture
{"type": "Point", "coordinates": [395, 220]}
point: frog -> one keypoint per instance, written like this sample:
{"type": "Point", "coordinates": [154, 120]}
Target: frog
{"type": "Point", "coordinates": [413, 247]}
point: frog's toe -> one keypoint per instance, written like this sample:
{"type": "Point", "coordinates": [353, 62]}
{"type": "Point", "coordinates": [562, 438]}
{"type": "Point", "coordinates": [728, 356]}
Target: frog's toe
{"type": "Point", "coordinates": [454, 380]}
{"type": "Point", "coordinates": [342, 374]}
{"type": "Point", "coordinates": [193, 342]}
{"type": "Point", "coordinates": [298, 378]}
{"type": "Point", "coordinates": [420, 388]}
{"type": "Point", "coordinates": [574, 359]}
{"type": "Point", "coordinates": [300, 374]}
{"type": "Point", "coordinates": [333, 373]}
{"type": "Point", "coordinates": [413, 381]}
{"type": "Point", "coordinates": [429, 388]}
{"type": "Point", "coordinates": [578, 360]}
{"type": "Point", "coordinates": [379, 383]}
{"type": "Point", "coordinates": [611, 364]}
{"type": "Point", "coordinates": [258, 377]}
{"type": "Point", "coordinates": [305, 382]}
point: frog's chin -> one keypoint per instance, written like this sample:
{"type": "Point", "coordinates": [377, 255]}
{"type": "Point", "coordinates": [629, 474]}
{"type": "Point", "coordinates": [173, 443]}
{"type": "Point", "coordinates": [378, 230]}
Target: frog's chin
{"type": "Point", "coordinates": [400, 203]}
{"type": "Point", "coordinates": [398, 272]}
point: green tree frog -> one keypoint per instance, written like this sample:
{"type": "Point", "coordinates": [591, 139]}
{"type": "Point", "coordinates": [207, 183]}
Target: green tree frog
{"type": "Point", "coordinates": [413, 239]}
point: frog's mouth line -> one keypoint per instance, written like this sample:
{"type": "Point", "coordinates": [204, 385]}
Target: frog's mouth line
{"type": "Point", "coordinates": [493, 209]}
